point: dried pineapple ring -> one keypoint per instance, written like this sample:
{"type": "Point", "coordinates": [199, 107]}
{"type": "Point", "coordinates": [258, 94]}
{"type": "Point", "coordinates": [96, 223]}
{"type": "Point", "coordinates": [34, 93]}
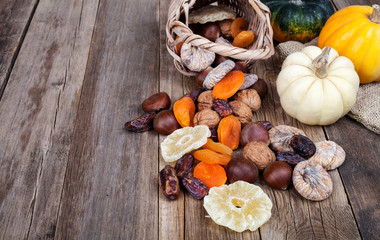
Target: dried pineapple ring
{"type": "Point", "coordinates": [238, 206]}
{"type": "Point", "coordinates": [183, 141]}
{"type": "Point", "coordinates": [329, 154]}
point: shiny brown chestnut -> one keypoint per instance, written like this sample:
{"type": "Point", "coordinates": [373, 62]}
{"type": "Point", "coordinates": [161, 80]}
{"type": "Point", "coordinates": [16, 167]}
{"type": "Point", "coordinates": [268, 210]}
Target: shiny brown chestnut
{"type": "Point", "coordinates": [241, 169]}
{"type": "Point", "coordinates": [261, 87]}
{"type": "Point", "coordinates": [165, 122]}
{"type": "Point", "coordinates": [254, 132]}
{"type": "Point", "coordinates": [240, 66]}
{"type": "Point", "coordinates": [200, 78]}
{"type": "Point", "coordinates": [156, 102]}
{"type": "Point", "coordinates": [210, 30]}
{"type": "Point", "coordinates": [218, 60]}
{"type": "Point", "coordinates": [278, 175]}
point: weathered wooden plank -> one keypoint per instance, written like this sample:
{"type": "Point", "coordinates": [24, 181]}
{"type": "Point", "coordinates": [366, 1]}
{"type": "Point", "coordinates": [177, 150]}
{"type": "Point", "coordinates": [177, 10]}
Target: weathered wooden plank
{"type": "Point", "coordinates": [171, 213]}
{"type": "Point", "coordinates": [359, 173]}
{"type": "Point", "coordinates": [15, 17]}
{"type": "Point", "coordinates": [110, 189]}
{"type": "Point", "coordinates": [37, 112]}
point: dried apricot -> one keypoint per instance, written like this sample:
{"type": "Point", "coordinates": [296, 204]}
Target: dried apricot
{"type": "Point", "coordinates": [229, 85]}
{"type": "Point", "coordinates": [211, 157]}
{"type": "Point", "coordinates": [243, 39]}
{"type": "Point", "coordinates": [217, 147]}
{"type": "Point", "coordinates": [213, 175]}
{"type": "Point", "coordinates": [238, 25]}
{"type": "Point", "coordinates": [229, 130]}
{"type": "Point", "coordinates": [184, 111]}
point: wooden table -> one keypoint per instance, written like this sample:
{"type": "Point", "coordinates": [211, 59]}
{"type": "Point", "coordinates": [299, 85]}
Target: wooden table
{"type": "Point", "coordinates": [72, 72]}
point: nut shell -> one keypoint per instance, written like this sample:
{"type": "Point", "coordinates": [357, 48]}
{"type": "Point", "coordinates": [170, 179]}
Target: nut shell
{"type": "Point", "coordinates": [280, 137]}
{"type": "Point", "coordinates": [312, 181]}
{"type": "Point", "coordinates": [205, 100]}
{"type": "Point", "coordinates": [250, 97]}
{"type": "Point", "coordinates": [241, 111]}
{"type": "Point", "coordinates": [329, 154]}
{"type": "Point", "coordinates": [207, 117]}
{"type": "Point", "coordinates": [259, 153]}
{"type": "Point", "coordinates": [196, 59]}
{"type": "Point", "coordinates": [218, 73]}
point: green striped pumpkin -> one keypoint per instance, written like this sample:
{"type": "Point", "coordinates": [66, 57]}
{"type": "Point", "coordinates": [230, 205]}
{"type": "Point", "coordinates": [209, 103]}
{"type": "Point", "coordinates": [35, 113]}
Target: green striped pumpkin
{"type": "Point", "coordinates": [299, 20]}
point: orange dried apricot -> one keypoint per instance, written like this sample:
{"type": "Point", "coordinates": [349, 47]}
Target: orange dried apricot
{"type": "Point", "coordinates": [229, 130]}
{"type": "Point", "coordinates": [211, 157]}
{"type": "Point", "coordinates": [238, 25]}
{"type": "Point", "coordinates": [184, 111]}
{"type": "Point", "coordinates": [213, 175]}
{"type": "Point", "coordinates": [229, 85]}
{"type": "Point", "coordinates": [243, 39]}
{"type": "Point", "coordinates": [217, 147]}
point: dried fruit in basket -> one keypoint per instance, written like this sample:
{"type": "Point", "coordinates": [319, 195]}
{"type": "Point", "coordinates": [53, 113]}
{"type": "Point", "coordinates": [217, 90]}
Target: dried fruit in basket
{"type": "Point", "coordinates": [238, 25]}
{"type": "Point", "coordinates": [239, 206]}
{"type": "Point", "coordinates": [218, 73]}
{"type": "Point", "coordinates": [217, 147]}
{"type": "Point", "coordinates": [211, 13]}
{"type": "Point", "coordinates": [195, 58]}
{"type": "Point", "coordinates": [243, 39]}
{"type": "Point", "coordinates": [229, 131]}
{"type": "Point", "coordinates": [213, 175]}
{"type": "Point", "coordinates": [184, 111]}
{"type": "Point", "coordinates": [211, 157]}
{"type": "Point", "coordinates": [229, 85]}
{"type": "Point", "coordinates": [183, 141]}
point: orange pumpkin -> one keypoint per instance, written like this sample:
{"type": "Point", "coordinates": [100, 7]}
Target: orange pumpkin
{"type": "Point", "coordinates": [354, 32]}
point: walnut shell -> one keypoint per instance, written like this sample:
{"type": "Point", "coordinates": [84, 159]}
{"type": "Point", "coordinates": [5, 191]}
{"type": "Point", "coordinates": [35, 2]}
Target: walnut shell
{"type": "Point", "coordinates": [211, 13]}
{"type": "Point", "coordinates": [218, 73]}
{"type": "Point", "coordinates": [280, 137]}
{"type": "Point", "coordinates": [225, 28]}
{"type": "Point", "coordinates": [205, 100]}
{"type": "Point", "coordinates": [312, 181]}
{"type": "Point", "coordinates": [250, 97]}
{"type": "Point", "coordinates": [207, 117]}
{"type": "Point", "coordinates": [241, 111]}
{"type": "Point", "coordinates": [249, 80]}
{"type": "Point", "coordinates": [260, 154]}
{"type": "Point", "coordinates": [329, 154]}
{"type": "Point", "coordinates": [196, 59]}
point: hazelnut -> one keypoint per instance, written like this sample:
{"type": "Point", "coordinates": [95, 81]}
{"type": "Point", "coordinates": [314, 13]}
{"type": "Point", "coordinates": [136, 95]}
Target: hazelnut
{"type": "Point", "coordinates": [250, 97]}
{"type": "Point", "coordinates": [207, 117]}
{"type": "Point", "coordinates": [210, 30]}
{"type": "Point", "coordinates": [205, 100]}
{"type": "Point", "coordinates": [225, 28]}
{"type": "Point", "coordinates": [261, 87]}
{"type": "Point", "coordinates": [241, 111]}
{"type": "Point", "coordinates": [259, 153]}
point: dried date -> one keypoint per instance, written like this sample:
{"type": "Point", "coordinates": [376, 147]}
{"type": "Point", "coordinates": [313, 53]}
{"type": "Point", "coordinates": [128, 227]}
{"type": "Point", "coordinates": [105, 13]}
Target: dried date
{"type": "Point", "coordinates": [195, 187]}
{"type": "Point", "coordinates": [141, 124]}
{"type": "Point", "coordinates": [222, 107]}
{"type": "Point", "coordinates": [169, 183]}
{"type": "Point", "coordinates": [265, 124]}
{"type": "Point", "coordinates": [292, 158]}
{"type": "Point", "coordinates": [303, 146]}
{"type": "Point", "coordinates": [214, 133]}
{"type": "Point", "coordinates": [184, 165]}
{"type": "Point", "coordinates": [194, 94]}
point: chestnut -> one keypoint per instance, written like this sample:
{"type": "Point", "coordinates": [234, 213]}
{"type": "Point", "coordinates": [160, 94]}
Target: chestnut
{"type": "Point", "coordinates": [265, 124]}
{"type": "Point", "coordinates": [218, 60]}
{"type": "Point", "coordinates": [156, 102]}
{"type": "Point", "coordinates": [241, 169]}
{"type": "Point", "coordinates": [278, 175]}
{"type": "Point", "coordinates": [240, 66]}
{"type": "Point", "coordinates": [210, 30]}
{"type": "Point", "coordinates": [165, 122]}
{"type": "Point", "coordinates": [200, 78]}
{"type": "Point", "coordinates": [261, 87]}
{"type": "Point", "coordinates": [254, 132]}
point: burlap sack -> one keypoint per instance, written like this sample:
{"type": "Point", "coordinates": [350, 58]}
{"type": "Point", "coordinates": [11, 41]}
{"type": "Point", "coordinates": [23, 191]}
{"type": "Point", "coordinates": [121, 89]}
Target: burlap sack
{"type": "Point", "coordinates": [367, 106]}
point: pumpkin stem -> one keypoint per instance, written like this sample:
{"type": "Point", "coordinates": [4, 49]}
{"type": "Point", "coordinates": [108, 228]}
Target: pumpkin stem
{"type": "Point", "coordinates": [320, 63]}
{"type": "Point", "coordinates": [375, 16]}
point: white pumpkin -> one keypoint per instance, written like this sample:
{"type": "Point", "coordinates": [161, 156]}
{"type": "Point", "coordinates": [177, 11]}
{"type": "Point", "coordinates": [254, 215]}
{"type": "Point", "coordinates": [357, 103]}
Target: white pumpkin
{"type": "Point", "coordinates": [316, 87]}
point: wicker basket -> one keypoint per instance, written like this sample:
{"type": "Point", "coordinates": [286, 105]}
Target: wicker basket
{"type": "Point", "coordinates": [255, 12]}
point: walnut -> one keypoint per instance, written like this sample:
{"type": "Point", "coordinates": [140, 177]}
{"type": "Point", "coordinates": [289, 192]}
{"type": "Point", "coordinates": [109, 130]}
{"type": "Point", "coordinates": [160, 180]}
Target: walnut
{"type": "Point", "coordinates": [259, 153]}
{"type": "Point", "coordinates": [196, 59]}
{"type": "Point", "coordinates": [241, 111]}
{"type": "Point", "coordinates": [250, 97]}
{"type": "Point", "coordinates": [205, 100]}
{"type": "Point", "coordinates": [207, 117]}
{"type": "Point", "coordinates": [225, 28]}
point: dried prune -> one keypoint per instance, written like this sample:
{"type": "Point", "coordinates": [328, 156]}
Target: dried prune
{"type": "Point", "coordinates": [265, 124]}
{"type": "Point", "coordinates": [303, 146]}
{"type": "Point", "coordinates": [141, 124]}
{"type": "Point", "coordinates": [194, 94]}
{"type": "Point", "coordinates": [222, 107]}
{"type": "Point", "coordinates": [169, 183]}
{"type": "Point", "coordinates": [195, 187]}
{"type": "Point", "coordinates": [214, 133]}
{"type": "Point", "coordinates": [184, 165]}
{"type": "Point", "coordinates": [290, 157]}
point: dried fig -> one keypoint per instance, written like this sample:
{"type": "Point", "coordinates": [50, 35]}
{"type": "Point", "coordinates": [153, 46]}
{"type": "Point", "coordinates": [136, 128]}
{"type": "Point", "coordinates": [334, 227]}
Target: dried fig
{"type": "Point", "coordinates": [218, 73]}
{"type": "Point", "coordinates": [202, 76]}
{"type": "Point", "coordinates": [280, 137]}
{"type": "Point", "coordinates": [329, 154]}
{"type": "Point", "coordinates": [196, 59]}
{"type": "Point", "coordinates": [249, 80]}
